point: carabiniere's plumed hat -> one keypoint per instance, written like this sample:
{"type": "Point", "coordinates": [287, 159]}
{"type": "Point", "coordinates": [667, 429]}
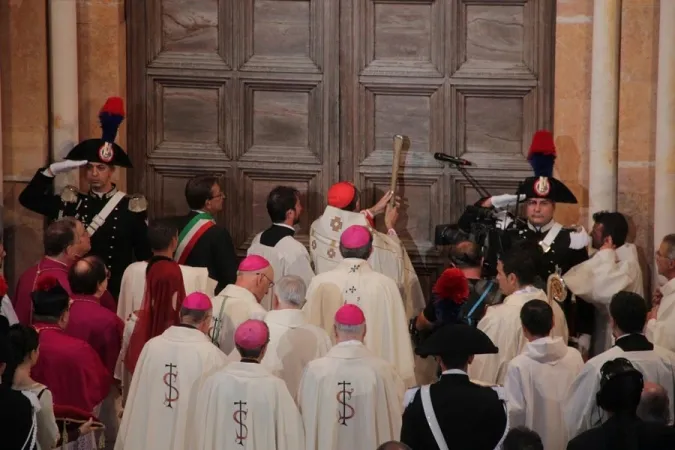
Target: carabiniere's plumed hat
{"type": "Point", "coordinates": [456, 340]}
{"type": "Point", "coordinates": [104, 150]}
{"type": "Point", "coordinates": [542, 159]}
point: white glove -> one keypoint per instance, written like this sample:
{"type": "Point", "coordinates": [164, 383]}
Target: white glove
{"type": "Point", "coordinates": [63, 166]}
{"type": "Point", "coordinates": [579, 239]}
{"type": "Point", "coordinates": [584, 343]}
{"type": "Point", "coordinates": [505, 200]}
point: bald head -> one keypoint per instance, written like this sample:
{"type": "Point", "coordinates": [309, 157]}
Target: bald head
{"type": "Point", "coordinates": [87, 276]}
{"type": "Point", "coordinates": [654, 404]}
{"type": "Point", "coordinates": [466, 254]}
{"type": "Point", "coordinates": [393, 445]}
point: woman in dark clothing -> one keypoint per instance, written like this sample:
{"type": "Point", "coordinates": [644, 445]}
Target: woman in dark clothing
{"type": "Point", "coordinates": [17, 410]}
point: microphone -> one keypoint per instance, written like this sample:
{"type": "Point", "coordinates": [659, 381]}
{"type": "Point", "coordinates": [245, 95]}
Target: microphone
{"type": "Point", "coordinates": [452, 159]}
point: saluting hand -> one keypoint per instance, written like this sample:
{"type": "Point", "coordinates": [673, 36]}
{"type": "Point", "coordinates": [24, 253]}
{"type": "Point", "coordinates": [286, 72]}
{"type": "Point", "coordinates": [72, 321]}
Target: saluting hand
{"type": "Point", "coordinates": [65, 166]}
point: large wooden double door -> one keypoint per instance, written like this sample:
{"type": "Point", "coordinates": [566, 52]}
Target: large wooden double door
{"type": "Point", "coordinates": [309, 92]}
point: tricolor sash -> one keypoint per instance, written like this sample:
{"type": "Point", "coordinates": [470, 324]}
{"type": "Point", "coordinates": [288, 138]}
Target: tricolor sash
{"type": "Point", "coordinates": [189, 236]}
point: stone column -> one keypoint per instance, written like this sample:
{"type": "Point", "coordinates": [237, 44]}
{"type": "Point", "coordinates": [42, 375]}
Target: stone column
{"type": "Point", "coordinates": [664, 172]}
{"type": "Point", "coordinates": [64, 84]}
{"type": "Point", "coordinates": [604, 105]}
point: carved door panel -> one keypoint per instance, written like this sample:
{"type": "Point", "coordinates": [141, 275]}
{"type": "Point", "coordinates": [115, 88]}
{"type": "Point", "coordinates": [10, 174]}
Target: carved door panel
{"type": "Point", "coordinates": [245, 88]}
{"type": "Point", "coordinates": [470, 78]}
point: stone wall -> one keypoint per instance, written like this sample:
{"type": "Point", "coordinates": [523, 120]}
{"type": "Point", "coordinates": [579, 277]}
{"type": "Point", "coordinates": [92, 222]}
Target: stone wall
{"type": "Point", "coordinates": [102, 73]}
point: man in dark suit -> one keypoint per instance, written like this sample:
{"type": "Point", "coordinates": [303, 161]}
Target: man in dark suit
{"type": "Point", "coordinates": [202, 243]}
{"type": "Point", "coordinates": [465, 415]}
{"type": "Point", "coordinates": [619, 395]}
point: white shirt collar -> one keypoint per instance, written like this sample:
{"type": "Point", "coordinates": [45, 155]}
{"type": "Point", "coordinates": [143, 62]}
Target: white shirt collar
{"type": "Point", "coordinates": [454, 372]}
{"type": "Point", "coordinates": [285, 225]}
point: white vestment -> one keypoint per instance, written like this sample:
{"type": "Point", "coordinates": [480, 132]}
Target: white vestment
{"type": "Point", "coordinates": [581, 410]}
{"type": "Point", "coordinates": [287, 257]}
{"type": "Point", "coordinates": [156, 413]}
{"type": "Point", "coordinates": [121, 372]}
{"type": "Point", "coordinates": [502, 324]}
{"type": "Point", "coordinates": [244, 406]}
{"type": "Point", "coordinates": [233, 306]}
{"type": "Point", "coordinates": [293, 344]}
{"type": "Point", "coordinates": [536, 386]}
{"type": "Point", "coordinates": [389, 256]}
{"type": "Point", "coordinates": [598, 279]}
{"type": "Point", "coordinates": [132, 289]}
{"type": "Point", "coordinates": [661, 331]}
{"type": "Point", "coordinates": [350, 399]}
{"type": "Point", "coordinates": [354, 281]}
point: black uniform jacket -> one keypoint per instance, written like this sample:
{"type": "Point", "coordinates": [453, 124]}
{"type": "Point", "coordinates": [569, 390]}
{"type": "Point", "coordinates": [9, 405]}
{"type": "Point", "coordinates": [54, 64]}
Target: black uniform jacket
{"type": "Point", "coordinates": [625, 432]}
{"type": "Point", "coordinates": [121, 239]}
{"type": "Point", "coordinates": [472, 417]}
{"type": "Point", "coordinates": [214, 250]}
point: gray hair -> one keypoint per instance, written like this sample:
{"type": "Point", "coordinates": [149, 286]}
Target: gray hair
{"type": "Point", "coordinates": [291, 289]}
{"type": "Point", "coordinates": [670, 242]}
{"type": "Point", "coordinates": [352, 330]}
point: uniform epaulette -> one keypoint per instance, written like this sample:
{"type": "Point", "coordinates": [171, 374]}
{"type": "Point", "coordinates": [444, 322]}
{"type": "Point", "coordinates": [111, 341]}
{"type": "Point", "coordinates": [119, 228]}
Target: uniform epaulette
{"type": "Point", "coordinates": [137, 203]}
{"type": "Point", "coordinates": [69, 194]}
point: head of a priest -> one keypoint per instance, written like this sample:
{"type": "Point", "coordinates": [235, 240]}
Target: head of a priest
{"type": "Point", "coordinates": [610, 230]}
{"type": "Point", "coordinates": [518, 267]}
{"type": "Point", "coordinates": [66, 240]}
{"type": "Point", "coordinates": [251, 339]}
{"type": "Point", "coordinates": [665, 257]}
{"type": "Point", "coordinates": [356, 242]}
{"type": "Point", "coordinates": [283, 205]}
{"type": "Point", "coordinates": [88, 276]}
{"type": "Point", "coordinates": [350, 324]}
{"type": "Point", "coordinates": [466, 256]}
{"type": "Point", "coordinates": [628, 313]}
{"type": "Point", "coordinates": [289, 293]}
{"type": "Point", "coordinates": [256, 275]}
{"type": "Point", "coordinates": [454, 346]}
{"type": "Point", "coordinates": [536, 317]}
{"type": "Point", "coordinates": [203, 193]}
{"type": "Point", "coordinates": [51, 302]}
{"type": "Point", "coordinates": [345, 196]}
{"type": "Point", "coordinates": [162, 237]}
{"type": "Point", "coordinates": [197, 311]}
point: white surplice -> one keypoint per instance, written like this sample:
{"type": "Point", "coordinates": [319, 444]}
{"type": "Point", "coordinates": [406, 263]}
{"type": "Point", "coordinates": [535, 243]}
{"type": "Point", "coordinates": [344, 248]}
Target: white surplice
{"type": "Point", "coordinates": [156, 413]}
{"type": "Point", "coordinates": [244, 406]}
{"type": "Point", "coordinates": [287, 257]}
{"type": "Point", "coordinates": [121, 372]}
{"type": "Point", "coordinates": [294, 342]}
{"type": "Point", "coordinates": [389, 256]}
{"type": "Point", "coordinates": [536, 386]}
{"type": "Point", "coordinates": [502, 325]}
{"type": "Point", "coordinates": [233, 306]}
{"type": "Point", "coordinates": [598, 279]}
{"type": "Point", "coordinates": [350, 399]}
{"type": "Point", "coordinates": [661, 331]}
{"type": "Point", "coordinates": [132, 289]}
{"type": "Point", "coordinates": [354, 281]}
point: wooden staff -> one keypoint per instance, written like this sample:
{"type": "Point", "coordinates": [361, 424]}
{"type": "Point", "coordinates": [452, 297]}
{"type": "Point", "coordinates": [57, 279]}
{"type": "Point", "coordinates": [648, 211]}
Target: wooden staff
{"type": "Point", "coordinates": [401, 144]}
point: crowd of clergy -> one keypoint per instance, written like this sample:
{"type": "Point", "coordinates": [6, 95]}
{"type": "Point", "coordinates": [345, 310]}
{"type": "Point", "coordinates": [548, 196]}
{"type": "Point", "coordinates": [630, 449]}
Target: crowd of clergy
{"type": "Point", "coordinates": [329, 346]}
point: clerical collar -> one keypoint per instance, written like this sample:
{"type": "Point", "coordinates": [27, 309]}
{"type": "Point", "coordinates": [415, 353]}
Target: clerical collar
{"type": "Point", "coordinates": [186, 325]}
{"type": "Point", "coordinates": [540, 229]}
{"type": "Point", "coordinates": [285, 225]}
{"type": "Point", "coordinates": [454, 372]}
{"type": "Point", "coordinates": [108, 194]}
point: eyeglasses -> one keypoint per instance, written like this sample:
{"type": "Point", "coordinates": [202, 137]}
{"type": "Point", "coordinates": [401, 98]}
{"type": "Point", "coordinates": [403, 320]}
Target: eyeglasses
{"type": "Point", "coordinates": [221, 195]}
{"type": "Point", "coordinates": [268, 278]}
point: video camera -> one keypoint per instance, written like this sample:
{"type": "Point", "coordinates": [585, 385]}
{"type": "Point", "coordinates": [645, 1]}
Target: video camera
{"type": "Point", "coordinates": [484, 227]}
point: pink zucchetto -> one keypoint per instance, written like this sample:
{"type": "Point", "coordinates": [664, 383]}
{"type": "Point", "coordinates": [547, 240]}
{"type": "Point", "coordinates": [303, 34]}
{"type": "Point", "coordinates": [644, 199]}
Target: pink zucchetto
{"type": "Point", "coordinates": [252, 334]}
{"type": "Point", "coordinates": [197, 301]}
{"type": "Point", "coordinates": [350, 315]}
{"type": "Point", "coordinates": [252, 263]}
{"type": "Point", "coordinates": [355, 236]}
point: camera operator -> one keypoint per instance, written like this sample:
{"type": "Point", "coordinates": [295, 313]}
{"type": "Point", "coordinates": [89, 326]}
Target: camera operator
{"type": "Point", "coordinates": [563, 248]}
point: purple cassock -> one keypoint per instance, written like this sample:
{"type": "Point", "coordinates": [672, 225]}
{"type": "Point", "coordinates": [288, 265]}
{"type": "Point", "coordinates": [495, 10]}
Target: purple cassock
{"type": "Point", "coordinates": [22, 302]}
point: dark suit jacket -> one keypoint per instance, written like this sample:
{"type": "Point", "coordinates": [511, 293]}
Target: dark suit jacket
{"type": "Point", "coordinates": [214, 250]}
{"type": "Point", "coordinates": [627, 433]}
{"type": "Point", "coordinates": [472, 417]}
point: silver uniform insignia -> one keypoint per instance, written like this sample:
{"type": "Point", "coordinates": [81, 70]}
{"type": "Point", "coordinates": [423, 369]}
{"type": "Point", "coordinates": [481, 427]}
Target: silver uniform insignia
{"type": "Point", "coordinates": [69, 194]}
{"type": "Point", "coordinates": [138, 203]}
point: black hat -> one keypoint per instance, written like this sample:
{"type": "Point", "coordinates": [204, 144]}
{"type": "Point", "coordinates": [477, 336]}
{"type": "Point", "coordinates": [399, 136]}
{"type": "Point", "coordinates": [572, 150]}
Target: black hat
{"type": "Point", "coordinates": [542, 159]}
{"type": "Point", "coordinates": [104, 150]}
{"type": "Point", "coordinates": [50, 299]}
{"type": "Point", "coordinates": [459, 340]}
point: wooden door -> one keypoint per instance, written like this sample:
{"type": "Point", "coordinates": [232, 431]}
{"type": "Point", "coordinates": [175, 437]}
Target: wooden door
{"type": "Point", "coordinates": [247, 89]}
{"type": "Point", "coordinates": [470, 78]}
{"type": "Point", "coordinates": [306, 92]}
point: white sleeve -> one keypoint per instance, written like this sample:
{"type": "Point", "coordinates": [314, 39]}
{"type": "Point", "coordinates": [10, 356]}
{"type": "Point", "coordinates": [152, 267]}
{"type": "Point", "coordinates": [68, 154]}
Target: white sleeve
{"type": "Point", "coordinates": [580, 404]}
{"type": "Point", "coordinates": [515, 399]}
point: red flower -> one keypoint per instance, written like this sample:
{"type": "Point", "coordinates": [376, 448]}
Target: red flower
{"type": "Point", "coordinates": [3, 286]}
{"type": "Point", "coordinates": [452, 285]}
{"type": "Point", "coordinates": [46, 283]}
